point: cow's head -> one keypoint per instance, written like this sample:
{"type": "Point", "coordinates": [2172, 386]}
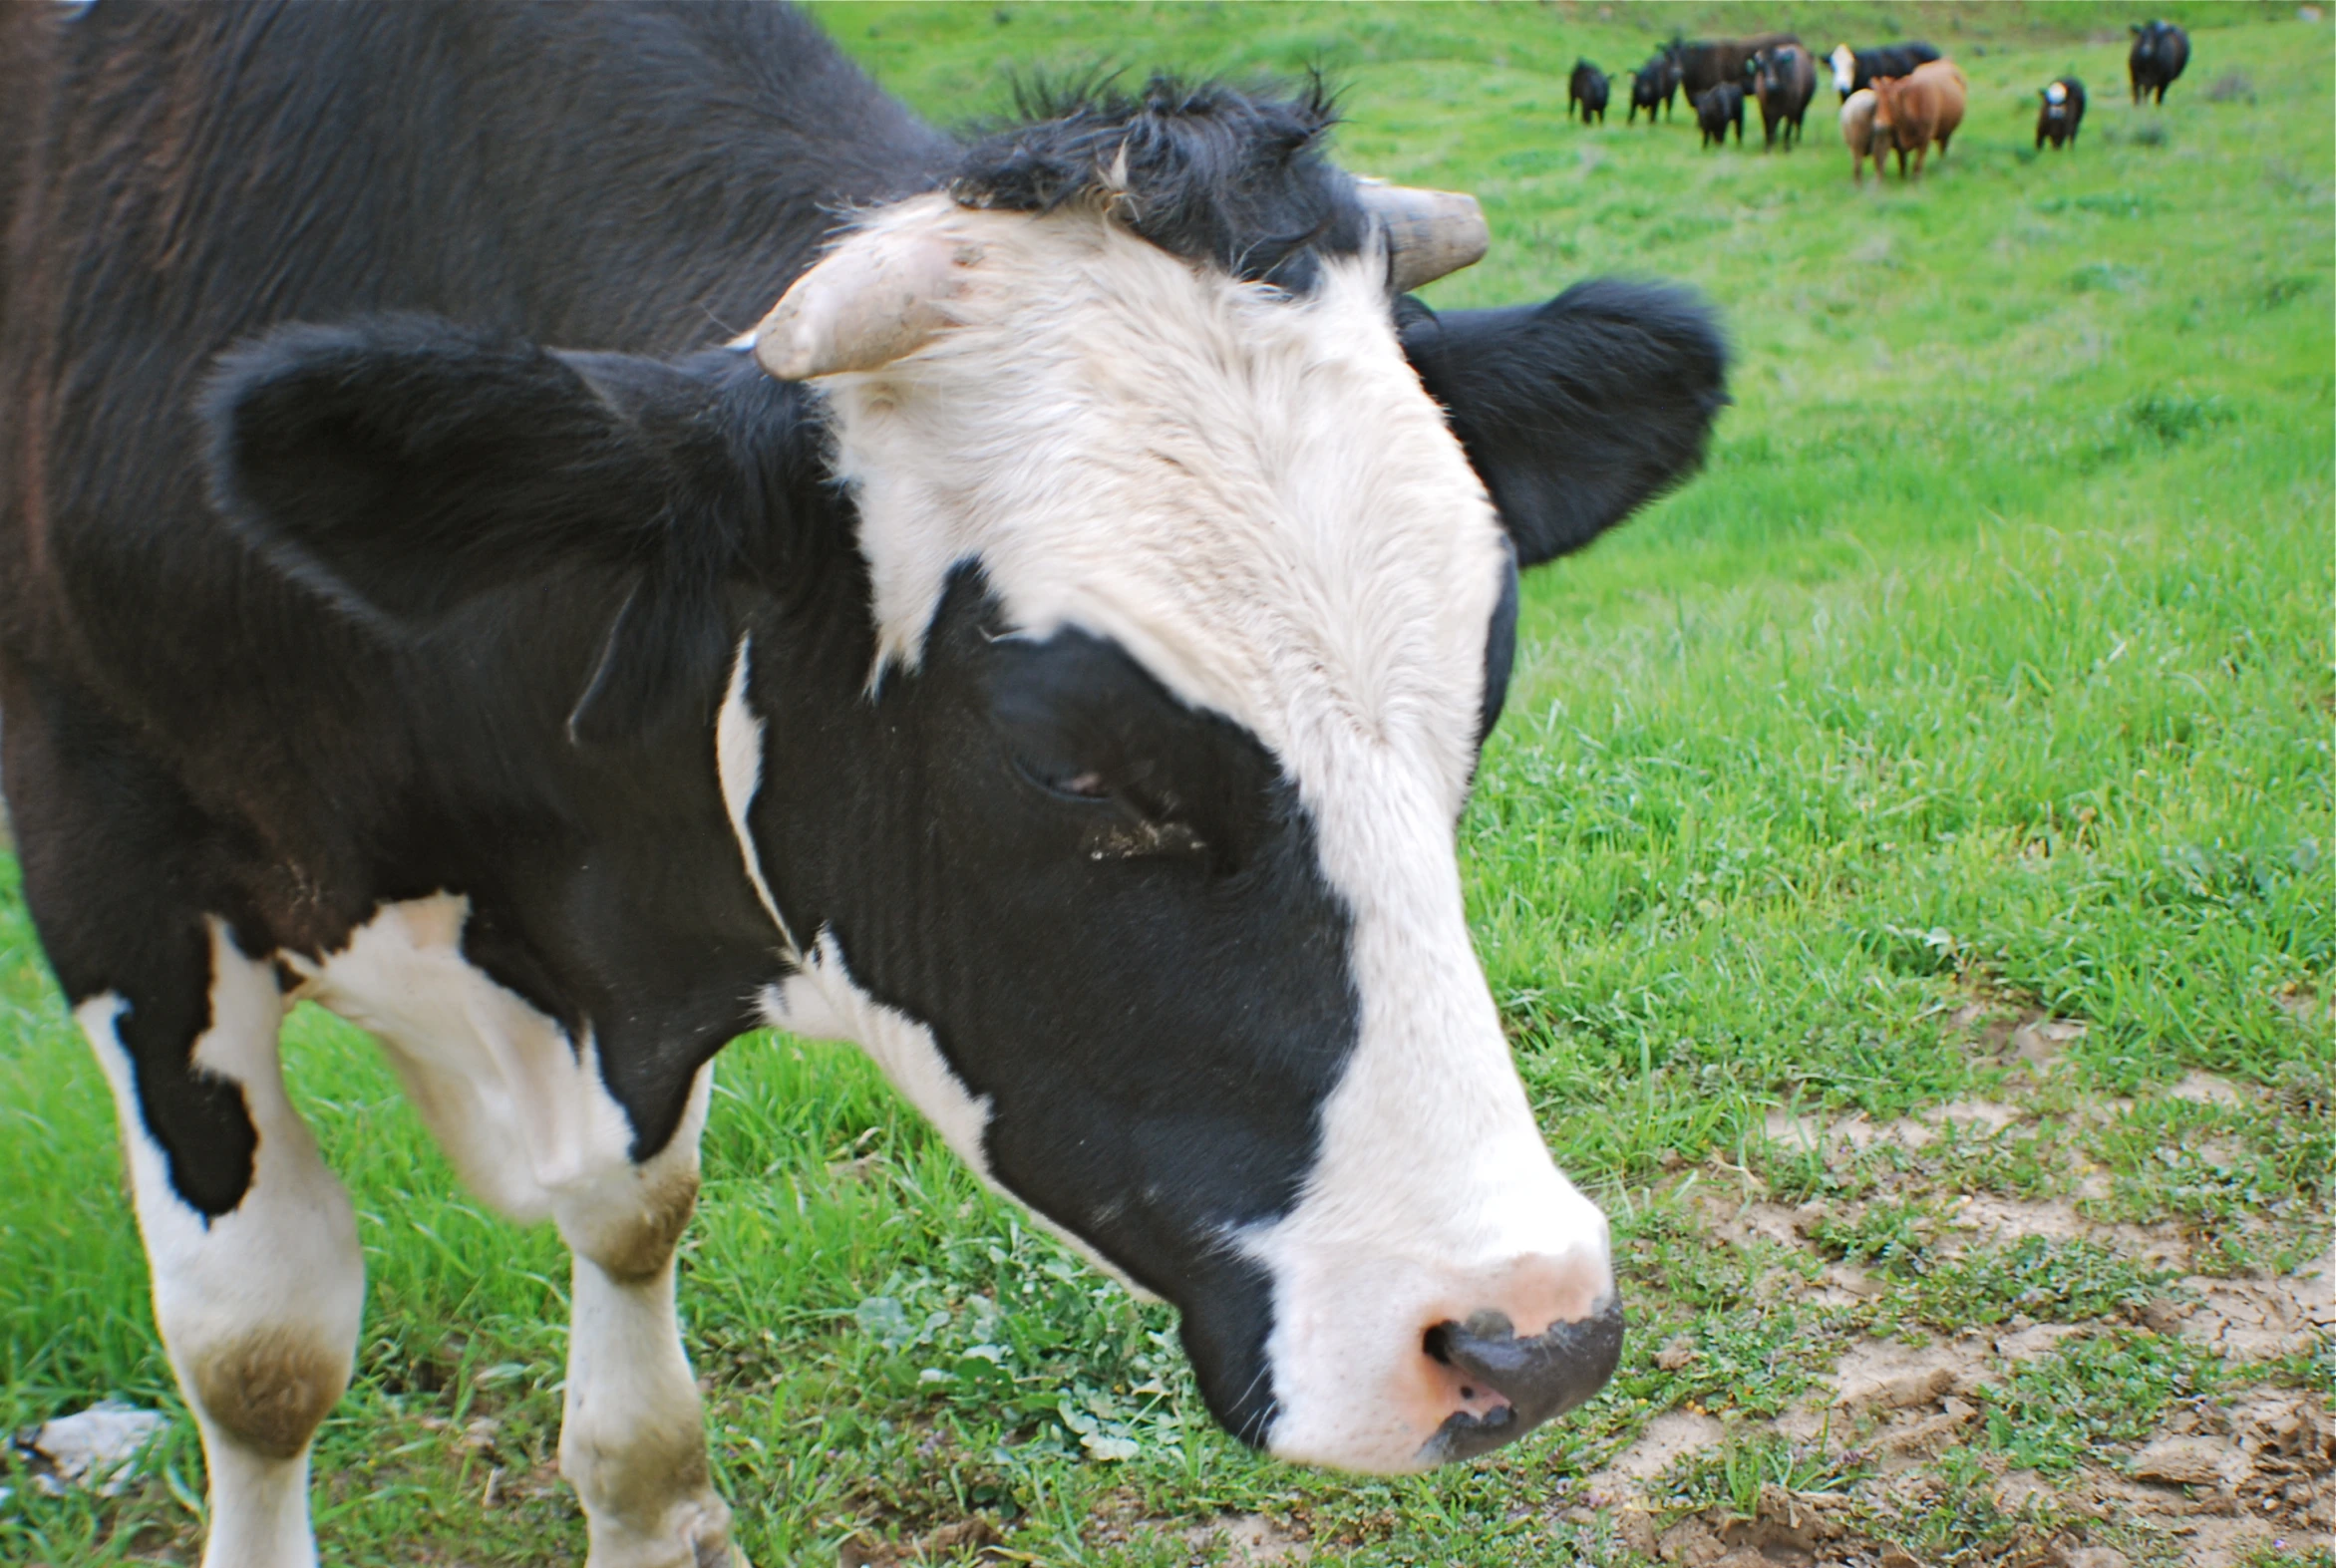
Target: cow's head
{"type": "Point", "coordinates": [1844, 59]}
{"type": "Point", "coordinates": [1103, 776]}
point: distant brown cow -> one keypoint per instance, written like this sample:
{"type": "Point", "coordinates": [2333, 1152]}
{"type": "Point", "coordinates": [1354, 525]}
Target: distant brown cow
{"type": "Point", "coordinates": [1915, 110]}
{"type": "Point", "coordinates": [1857, 130]}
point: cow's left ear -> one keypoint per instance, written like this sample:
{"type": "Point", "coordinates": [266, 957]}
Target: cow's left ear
{"type": "Point", "coordinates": [402, 467]}
{"type": "Point", "coordinates": [1577, 412]}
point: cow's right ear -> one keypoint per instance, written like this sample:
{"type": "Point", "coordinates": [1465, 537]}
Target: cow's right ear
{"type": "Point", "coordinates": [1574, 412]}
{"type": "Point", "coordinates": [402, 465]}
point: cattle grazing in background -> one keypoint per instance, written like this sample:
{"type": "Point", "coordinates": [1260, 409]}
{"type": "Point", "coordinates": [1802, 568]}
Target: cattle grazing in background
{"type": "Point", "coordinates": [1913, 112]}
{"type": "Point", "coordinates": [1053, 652]}
{"type": "Point", "coordinates": [1855, 69]}
{"type": "Point", "coordinates": [1783, 78]}
{"type": "Point", "coordinates": [1586, 90]}
{"type": "Point", "coordinates": [1717, 109]}
{"type": "Point", "coordinates": [1857, 132]}
{"type": "Point", "coordinates": [2160, 51]}
{"type": "Point", "coordinates": [1656, 83]}
{"type": "Point", "coordinates": [2061, 112]}
{"type": "Point", "coordinates": [1706, 63]}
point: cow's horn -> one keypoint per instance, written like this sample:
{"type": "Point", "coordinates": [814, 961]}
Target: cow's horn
{"type": "Point", "coordinates": [873, 299]}
{"type": "Point", "coordinates": [1429, 232]}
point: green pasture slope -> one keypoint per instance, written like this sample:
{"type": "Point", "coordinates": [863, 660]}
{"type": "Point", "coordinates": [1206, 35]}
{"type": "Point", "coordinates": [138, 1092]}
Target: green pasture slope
{"type": "Point", "coordinates": [1983, 678]}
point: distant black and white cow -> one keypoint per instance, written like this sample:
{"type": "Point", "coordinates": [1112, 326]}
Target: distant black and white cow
{"type": "Point", "coordinates": [1856, 68]}
{"type": "Point", "coordinates": [1054, 657]}
{"type": "Point", "coordinates": [2160, 51]}
{"type": "Point", "coordinates": [2061, 112]}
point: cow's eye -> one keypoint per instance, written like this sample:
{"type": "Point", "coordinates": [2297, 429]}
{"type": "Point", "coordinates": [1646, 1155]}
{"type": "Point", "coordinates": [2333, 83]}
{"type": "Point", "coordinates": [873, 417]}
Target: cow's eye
{"type": "Point", "coordinates": [1067, 783]}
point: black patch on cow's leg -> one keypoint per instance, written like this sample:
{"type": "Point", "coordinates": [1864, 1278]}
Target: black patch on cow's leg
{"type": "Point", "coordinates": [110, 851]}
{"type": "Point", "coordinates": [1577, 412]}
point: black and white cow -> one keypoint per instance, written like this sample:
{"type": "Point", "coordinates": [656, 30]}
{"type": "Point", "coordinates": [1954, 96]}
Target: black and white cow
{"type": "Point", "coordinates": [1054, 657]}
{"type": "Point", "coordinates": [2059, 112]}
{"type": "Point", "coordinates": [1855, 69]}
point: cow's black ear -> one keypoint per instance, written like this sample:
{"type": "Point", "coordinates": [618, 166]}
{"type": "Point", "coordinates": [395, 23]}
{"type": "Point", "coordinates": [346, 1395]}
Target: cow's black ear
{"type": "Point", "coordinates": [402, 467]}
{"type": "Point", "coordinates": [1577, 412]}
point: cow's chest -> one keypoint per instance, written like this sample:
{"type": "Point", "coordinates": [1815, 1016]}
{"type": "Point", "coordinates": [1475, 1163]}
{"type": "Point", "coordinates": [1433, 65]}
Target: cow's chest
{"type": "Point", "coordinates": [519, 1107]}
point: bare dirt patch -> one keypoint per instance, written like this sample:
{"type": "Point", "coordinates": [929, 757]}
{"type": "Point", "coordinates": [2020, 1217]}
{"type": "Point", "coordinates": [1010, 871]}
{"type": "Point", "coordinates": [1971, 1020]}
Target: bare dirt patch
{"type": "Point", "coordinates": [1250, 1540]}
{"type": "Point", "coordinates": [1879, 1459]}
{"type": "Point", "coordinates": [2263, 1316]}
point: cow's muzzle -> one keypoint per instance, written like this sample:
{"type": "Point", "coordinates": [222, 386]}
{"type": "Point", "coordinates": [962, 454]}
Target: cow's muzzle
{"type": "Point", "coordinates": [1536, 1378]}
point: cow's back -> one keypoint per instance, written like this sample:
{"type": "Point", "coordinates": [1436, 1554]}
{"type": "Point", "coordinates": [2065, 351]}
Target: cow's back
{"type": "Point", "coordinates": [591, 176]}
{"type": "Point", "coordinates": [1947, 91]}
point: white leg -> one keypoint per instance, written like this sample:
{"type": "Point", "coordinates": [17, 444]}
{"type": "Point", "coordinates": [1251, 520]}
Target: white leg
{"type": "Point", "coordinates": [258, 1306]}
{"type": "Point", "coordinates": [633, 1436]}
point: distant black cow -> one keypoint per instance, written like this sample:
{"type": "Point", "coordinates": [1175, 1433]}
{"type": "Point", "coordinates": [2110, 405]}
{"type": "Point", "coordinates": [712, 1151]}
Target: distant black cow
{"type": "Point", "coordinates": [1715, 109]}
{"type": "Point", "coordinates": [1856, 68]}
{"type": "Point", "coordinates": [2161, 50]}
{"type": "Point", "coordinates": [2061, 112]}
{"type": "Point", "coordinates": [1656, 83]}
{"type": "Point", "coordinates": [1589, 91]}
{"type": "Point", "coordinates": [1783, 78]}
{"type": "Point", "coordinates": [1706, 64]}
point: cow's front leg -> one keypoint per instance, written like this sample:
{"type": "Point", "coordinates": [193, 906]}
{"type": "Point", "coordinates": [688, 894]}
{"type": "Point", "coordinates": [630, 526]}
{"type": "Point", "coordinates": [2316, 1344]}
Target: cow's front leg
{"type": "Point", "coordinates": [257, 1291]}
{"type": "Point", "coordinates": [633, 1436]}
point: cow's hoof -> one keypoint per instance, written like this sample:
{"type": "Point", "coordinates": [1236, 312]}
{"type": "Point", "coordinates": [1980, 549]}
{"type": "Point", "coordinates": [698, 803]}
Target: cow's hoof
{"type": "Point", "coordinates": [693, 1535]}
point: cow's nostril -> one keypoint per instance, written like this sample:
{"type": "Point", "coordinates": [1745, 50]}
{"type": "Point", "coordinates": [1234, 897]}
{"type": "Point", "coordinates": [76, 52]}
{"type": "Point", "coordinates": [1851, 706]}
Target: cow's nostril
{"type": "Point", "coordinates": [1539, 1375]}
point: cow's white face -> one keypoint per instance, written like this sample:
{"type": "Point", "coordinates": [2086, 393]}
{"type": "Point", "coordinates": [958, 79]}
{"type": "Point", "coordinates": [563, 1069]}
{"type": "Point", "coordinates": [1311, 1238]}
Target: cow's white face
{"type": "Point", "coordinates": [1844, 64]}
{"type": "Point", "coordinates": [1250, 495]}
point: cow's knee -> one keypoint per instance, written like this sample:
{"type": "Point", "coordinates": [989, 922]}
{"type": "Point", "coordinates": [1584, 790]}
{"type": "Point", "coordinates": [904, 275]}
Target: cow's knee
{"type": "Point", "coordinates": [269, 1389]}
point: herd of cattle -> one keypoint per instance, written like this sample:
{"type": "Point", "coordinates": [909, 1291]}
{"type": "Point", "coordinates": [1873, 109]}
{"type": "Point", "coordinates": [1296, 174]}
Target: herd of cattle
{"type": "Point", "coordinates": [1896, 98]}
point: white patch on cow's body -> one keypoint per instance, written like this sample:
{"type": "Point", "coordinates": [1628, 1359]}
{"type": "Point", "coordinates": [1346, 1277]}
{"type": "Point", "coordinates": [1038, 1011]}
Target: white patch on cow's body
{"type": "Point", "coordinates": [258, 1306]}
{"type": "Point", "coordinates": [2058, 93]}
{"type": "Point", "coordinates": [519, 1109]}
{"type": "Point", "coordinates": [822, 1001]}
{"type": "Point", "coordinates": [738, 761]}
{"type": "Point", "coordinates": [1253, 496]}
{"type": "Point", "coordinates": [1844, 64]}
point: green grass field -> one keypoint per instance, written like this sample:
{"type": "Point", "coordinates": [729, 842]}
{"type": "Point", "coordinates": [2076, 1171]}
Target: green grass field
{"type": "Point", "coordinates": [1903, 867]}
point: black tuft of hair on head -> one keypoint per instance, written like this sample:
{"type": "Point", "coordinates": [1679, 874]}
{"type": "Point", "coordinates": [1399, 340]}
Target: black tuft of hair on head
{"type": "Point", "coordinates": [1205, 170]}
